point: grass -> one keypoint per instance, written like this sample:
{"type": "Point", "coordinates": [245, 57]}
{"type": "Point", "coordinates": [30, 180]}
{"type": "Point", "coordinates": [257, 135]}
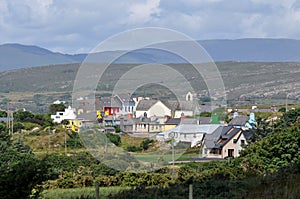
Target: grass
{"type": "Point", "coordinates": [130, 141]}
{"type": "Point", "coordinates": [87, 192]}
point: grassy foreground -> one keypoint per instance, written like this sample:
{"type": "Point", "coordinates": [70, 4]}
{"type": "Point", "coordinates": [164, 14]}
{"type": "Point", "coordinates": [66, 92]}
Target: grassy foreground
{"type": "Point", "coordinates": [86, 192]}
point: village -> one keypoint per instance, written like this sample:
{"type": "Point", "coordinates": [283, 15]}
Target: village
{"type": "Point", "coordinates": [162, 120]}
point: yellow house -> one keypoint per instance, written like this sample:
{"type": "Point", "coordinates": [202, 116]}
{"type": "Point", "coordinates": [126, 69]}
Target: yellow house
{"type": "Point", "coordinates": [171, 123]}
{"type": "Point", "coordinates": [74, 124]}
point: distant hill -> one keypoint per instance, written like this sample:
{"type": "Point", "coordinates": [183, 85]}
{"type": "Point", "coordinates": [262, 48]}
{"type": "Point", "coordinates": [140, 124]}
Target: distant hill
{"type": "Point", "coordinates": [14, 56]}
{"type": "Point", "coordinates": [254, 50]}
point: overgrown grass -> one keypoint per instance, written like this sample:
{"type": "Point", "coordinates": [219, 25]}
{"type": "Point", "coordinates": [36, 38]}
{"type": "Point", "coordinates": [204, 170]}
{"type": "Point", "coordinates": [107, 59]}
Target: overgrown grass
{"type": "Point", "coordinates": [130, 141]}
{"type": "Point", "coordinates": [86, 193]}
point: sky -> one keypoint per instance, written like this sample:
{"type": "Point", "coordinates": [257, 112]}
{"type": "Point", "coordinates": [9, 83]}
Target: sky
{"type": "Point", "coordinates": [77, 26]}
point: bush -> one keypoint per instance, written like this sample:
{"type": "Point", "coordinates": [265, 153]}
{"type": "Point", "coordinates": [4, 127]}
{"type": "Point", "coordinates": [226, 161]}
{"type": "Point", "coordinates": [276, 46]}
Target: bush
{"type": "Point", "coordinates": [114, 138]}
{"type": "Point", "coordinates": [133, 148]}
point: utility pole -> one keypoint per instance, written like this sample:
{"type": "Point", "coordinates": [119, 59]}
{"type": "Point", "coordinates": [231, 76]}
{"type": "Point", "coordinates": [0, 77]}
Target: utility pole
{"type": "Point", "coordinates": [65, 143]}
{"type": "Point", "coordinates": [75, 144]}
{"type": "Point", "coordinates": [286, 102]}
{"type": "Point", "coordinates": [49, 140]}
{"type": "Point", "coordinates": [10, 122]}
{"type": "Point", "coordinates": [172, 136]}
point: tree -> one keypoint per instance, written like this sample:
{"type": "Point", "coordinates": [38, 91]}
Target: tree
{"type": "Point", "coordinates": [289, 118]}
{"type": "Point", "coordinates": [23, 116]}
{"type": "Point", "coordinates": [114, 138]}
{"type": "Point", "coordinates": [65, 122]}
{"type": "Point", "coordinates": [261, 129]}
{"type": "Point", "coordinates": [43, 119]}
{"type": "Point", "coordinates": [53, 108]}
{"type": "Point", "coordinates": [20, 170]}
{"type": "Point", "coordinates": [3, 113]}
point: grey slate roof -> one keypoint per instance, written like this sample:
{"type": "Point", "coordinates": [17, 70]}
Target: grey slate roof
{"type": "Point", "coordinates": [227, 137]}
{"type": "Point", "coordinates": [193, 128]}
{"type": "Point", "coordinates": [92, 116]}
{"type": "Point", "coordinates": [205, 120]}
{"type": "Point", "coordinates": [176, 121]}
{"type": "Point", "coordinates": [110, 102]}
{"type": "Point", "coordinates": [188, 106]}
{"type": "Point", "coordinates": [211, 139]}
{"type": "Point", "coordinates": [240, 120]}
{"type": "Point", "coordinates": [144, 105]}
{"type": "Point", "coordinates": [173, 121]}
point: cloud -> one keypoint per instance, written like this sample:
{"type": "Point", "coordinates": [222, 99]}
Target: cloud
{"type": "Point", "coordinates": [77, 26]}
{"type": "Point", "coordinates": [144, 12]}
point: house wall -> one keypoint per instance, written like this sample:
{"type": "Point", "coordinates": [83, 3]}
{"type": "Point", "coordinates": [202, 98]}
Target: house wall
{"type": "Point", "coordinates": [69, 113]}
{"type": "Point", "coordinates": [126, 110]}
{"type": "Point", "coordinates": [205, 151]}
{"type": "Point", "coordinates": [111, 110]}
{"type": "Point", "coordinates": [154, 128]}
{"type": "Point", "coordinates": [158, 109]}
{"type": "Point", "coordinates": [148, 128]}
{"type": "Point", "coordinates": [141, 128]}
{"type": "Point", "coordinates": [178, 113]}
{"type": "Point", "coordinates": [169, 126]}
{"type": "Point", "coordinates": [237, 147]}
{"type": "Point", "coordinates": [193, 138]}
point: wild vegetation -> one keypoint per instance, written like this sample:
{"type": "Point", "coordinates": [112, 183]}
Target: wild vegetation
{"type": "Point", "coordinates": [269, 166]}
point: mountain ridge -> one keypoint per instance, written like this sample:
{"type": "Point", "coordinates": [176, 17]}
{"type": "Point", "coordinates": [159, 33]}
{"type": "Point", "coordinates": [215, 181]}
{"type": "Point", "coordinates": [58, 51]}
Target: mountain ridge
{"type": "Point", "coordinates": [14, 55]}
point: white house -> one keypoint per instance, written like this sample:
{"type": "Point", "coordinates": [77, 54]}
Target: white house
{"type": "Point", "coordinates": [186, 108]}
{"type": "Point", "coordinates": [225, 141]}
{"type": "Point", "coordinates": [68, 114]}
{"type": "Point", "coordinates": [192, 133]}
{"type": "Point", "coordinates": [127, 104]}
{"type": "Point", "coordinates": [150, 108]}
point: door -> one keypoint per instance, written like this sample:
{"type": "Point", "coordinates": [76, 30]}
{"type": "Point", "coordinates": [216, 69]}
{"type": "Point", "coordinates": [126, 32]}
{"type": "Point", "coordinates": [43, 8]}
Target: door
{"type": "Point", "coordinates": [230, 152]}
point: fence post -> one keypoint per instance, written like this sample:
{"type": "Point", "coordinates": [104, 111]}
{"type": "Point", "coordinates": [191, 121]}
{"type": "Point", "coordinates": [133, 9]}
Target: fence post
{"type": "Point", "coordinates": [97, 191]}
{"type": "Point", "coordinates": [191, 191]}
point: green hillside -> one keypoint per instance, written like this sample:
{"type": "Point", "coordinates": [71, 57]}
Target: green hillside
{"type": "Point", "coordinates": [263, 82]}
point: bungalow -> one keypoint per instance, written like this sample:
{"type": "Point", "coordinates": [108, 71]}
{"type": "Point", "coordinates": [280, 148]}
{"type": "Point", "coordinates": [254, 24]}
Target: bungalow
{"type": "Point", "coordinates": [142, 124]}
{"type": "Point", "coordinates": [191, 133]}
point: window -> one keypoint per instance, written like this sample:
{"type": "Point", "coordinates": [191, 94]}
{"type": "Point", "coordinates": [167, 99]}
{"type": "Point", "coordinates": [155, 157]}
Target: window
{"type": "Point", "coordinates": [61, 113]}
{"type": "Point", "coordinates": [184, 136]}
{"type": "Point", "coordinates": [242, 142]}
{"type": "Point", "coordinates": [194, 135]}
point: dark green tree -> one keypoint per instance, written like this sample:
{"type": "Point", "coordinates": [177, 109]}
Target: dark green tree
{"type": "Point", "coordinates": [261, 129]}
{"type": "Point", "coordinates": [3, 113]}
{"type": "Point", "coordinates": [23, 116]}
{"type": "Point", "coordinates": [20, 170]}
{"type": "Point", "coordinates": [53, 108]}
{"type": "Point", "coordinates": [114, 138]}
